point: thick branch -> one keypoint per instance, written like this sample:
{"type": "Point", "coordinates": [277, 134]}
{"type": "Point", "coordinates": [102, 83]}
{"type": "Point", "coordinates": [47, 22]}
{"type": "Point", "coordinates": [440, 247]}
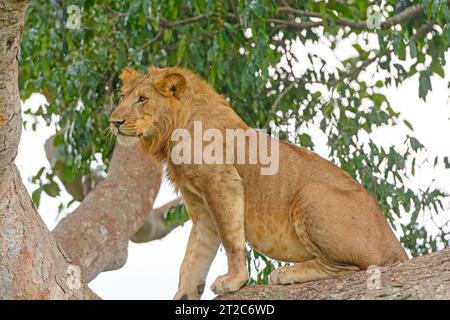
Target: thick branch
{"type": "Point", "coordinates": [426, 277]}
{"type": "Point", "coordinates": [154, 226]}
{"type": "Point", "coordinates": [32, 266]}
{"type": "Point", "coordinates": [95, 236]}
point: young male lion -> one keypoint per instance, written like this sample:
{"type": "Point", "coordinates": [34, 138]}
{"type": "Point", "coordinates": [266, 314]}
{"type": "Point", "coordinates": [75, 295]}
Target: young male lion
{"type": "Point", "coordinates": [310, 212]}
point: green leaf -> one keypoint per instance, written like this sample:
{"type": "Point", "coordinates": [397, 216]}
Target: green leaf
{"type": "Point", "coordinates": [408, 124]}
{"type": "Point", "coordinates": [414, 216]}
{"type": "Point", "coordinates": [415, 144]}
{"type": "Point", "coordinates": [424, 85]}
{"type": "Point", "coordinates": [181, 49]}
{"type": "Point", "coordinates": [58, 140]}
{"type": "Point", "coordinates": [437, 68]}
{"type": "Point", "coordinates": [446, 163]}
{"type": "Point", "coordinates": [67, 173]}
{"type": "Point", "coordinates": [36, 197]}
{"type": "Point", "coordinates": [51, 189]}
{"type": "Point", "coordinates": [346, 138]}
{"type": "Point", "coordinates": [38, 175]}
{"type": "Point", "coordinates": [412, 50]}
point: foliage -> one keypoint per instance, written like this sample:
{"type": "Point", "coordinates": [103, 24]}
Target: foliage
{"type": "Point", "coordinates": [177, 214]}
{"type": "Point", "coordinates": [246, 50]}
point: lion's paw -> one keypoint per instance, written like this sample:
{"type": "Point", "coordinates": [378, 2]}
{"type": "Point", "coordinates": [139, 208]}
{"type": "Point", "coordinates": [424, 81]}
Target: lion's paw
{"type": "Point", "coordinates": [280, 276]}
{"type": "Point", "coordinates": [228, 283]}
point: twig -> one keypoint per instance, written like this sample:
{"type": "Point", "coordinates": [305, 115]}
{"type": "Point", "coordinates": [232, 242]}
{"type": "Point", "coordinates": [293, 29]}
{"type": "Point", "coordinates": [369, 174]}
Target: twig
{"type": "Point", "coordinates": [424, 29]}
{"type": "Point", "coordinates": [407, 14]}
{"type": "Point", "coordinates": [154, 39]}
{"type": "Point", "coordinates": [293, 24]}
{"type": "Point", "coordinates": [280, 97]}
{"type": "Point", "coordinates": [172, 24]}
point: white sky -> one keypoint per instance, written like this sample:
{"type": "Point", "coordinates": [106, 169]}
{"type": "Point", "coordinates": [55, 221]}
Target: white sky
{"type": "Point", "coordinates": [151, 271]}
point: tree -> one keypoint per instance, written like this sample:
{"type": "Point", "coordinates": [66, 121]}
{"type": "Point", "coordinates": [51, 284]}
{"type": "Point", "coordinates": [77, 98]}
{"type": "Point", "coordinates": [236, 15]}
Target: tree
{"type": "Point", "coordinates": [73, 53]}
{"type": "Point", "coordinates": [421, 278]}
{"type": "Point", "coordinates": [31, 265]}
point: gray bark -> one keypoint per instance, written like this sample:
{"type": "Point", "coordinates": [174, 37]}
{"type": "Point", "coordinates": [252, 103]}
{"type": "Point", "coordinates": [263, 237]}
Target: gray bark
{"type": "Point", "coordinates": [425, 277]}
{"type": "Point", "coordinates": [31, 264]}
{"type": "Point", "coordinates": [95, 236]}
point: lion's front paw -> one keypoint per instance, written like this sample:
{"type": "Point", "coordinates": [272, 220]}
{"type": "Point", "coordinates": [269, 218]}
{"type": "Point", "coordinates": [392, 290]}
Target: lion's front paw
{"type": "Point", "coordinates": [229, 283]}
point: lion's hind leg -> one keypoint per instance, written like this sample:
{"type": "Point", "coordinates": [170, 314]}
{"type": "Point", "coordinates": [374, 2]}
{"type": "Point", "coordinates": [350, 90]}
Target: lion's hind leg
{"type": "Point", "coordinates": [332, 230]}
{"type": "Point", "coordinates": [311, 270]}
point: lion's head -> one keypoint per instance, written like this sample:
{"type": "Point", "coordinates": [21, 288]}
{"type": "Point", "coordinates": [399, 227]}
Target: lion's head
{"type": "Point", "coordinates": [149, 105]}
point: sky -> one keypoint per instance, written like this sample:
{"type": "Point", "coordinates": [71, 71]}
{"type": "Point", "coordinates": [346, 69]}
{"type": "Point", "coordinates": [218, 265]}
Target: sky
{"type": "Point", "coordinates": [151, 271]}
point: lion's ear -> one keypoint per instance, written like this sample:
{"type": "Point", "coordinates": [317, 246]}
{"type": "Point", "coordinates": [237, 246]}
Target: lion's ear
{"type": "Point", "coordinates": [172, 84]}
{"type": "Point", "coordinates": [128, 75]}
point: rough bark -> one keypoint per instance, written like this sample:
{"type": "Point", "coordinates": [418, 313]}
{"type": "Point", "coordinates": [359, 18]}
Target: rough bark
{"type": "Point", "coordinates": [426, 277]}
{"type": "Point", "coordinates": [154, 226]}
{"type": "Point", "coordinates": [31, 264]}
{"type": "Point", "coordinates": [11, 28]}
{"type": "Point", "coordinates": [95, 236]}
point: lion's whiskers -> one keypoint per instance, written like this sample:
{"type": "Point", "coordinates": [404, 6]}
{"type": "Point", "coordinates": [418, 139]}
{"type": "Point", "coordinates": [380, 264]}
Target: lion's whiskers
{"type": "Point", "coordinates": [109, 134]}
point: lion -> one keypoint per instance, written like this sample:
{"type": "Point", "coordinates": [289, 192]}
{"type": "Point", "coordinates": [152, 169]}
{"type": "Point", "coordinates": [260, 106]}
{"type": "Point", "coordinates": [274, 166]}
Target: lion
{"type": "Point", "coordinates": [309, 213]}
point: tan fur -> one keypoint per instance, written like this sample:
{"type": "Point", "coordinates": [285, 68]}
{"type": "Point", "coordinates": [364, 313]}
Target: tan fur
{"type": "Point", "coordinates": [310, 212]}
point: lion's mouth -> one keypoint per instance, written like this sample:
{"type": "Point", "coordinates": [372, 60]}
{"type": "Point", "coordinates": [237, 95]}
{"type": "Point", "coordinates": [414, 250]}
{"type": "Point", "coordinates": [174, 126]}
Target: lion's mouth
{"type": "Point", "coordinates": [127, 139]}
{"type": "Point", "coordinates": [121, 133]}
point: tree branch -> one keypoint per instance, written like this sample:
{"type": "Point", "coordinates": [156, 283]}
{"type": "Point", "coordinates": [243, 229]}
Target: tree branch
{"type": "Point", "coordinates": [293, 24]}
{"type": "Point", "coordinates": [407, 14]}
{"type": "Point", "coordinates": [280, 97]}
{"type": "Point", "coordinates": [95, 236]}
{"type": "Point", "coordinates": [173, 24]}
{"type": "Point", "coordinates": [154, 227]}
{"type": "Point", "coordinates": [423, 30]}
{"type": "Point", "coordinates": [425, 277]}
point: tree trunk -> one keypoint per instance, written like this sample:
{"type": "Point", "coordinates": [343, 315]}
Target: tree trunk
{"type": "Point", "coordinates": [425, 277]}
{"type": "Point", "coordinates": [31, 264]}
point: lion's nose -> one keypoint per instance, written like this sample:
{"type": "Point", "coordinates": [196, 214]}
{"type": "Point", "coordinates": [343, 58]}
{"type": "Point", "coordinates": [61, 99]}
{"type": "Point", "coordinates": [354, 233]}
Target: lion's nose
{"type": "Point", "coordinates": [117, 123]}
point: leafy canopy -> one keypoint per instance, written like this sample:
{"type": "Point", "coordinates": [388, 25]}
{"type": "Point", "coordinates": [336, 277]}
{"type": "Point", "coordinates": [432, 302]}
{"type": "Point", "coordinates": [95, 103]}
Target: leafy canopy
{"type": "Point", "coordinates": [248, 51]}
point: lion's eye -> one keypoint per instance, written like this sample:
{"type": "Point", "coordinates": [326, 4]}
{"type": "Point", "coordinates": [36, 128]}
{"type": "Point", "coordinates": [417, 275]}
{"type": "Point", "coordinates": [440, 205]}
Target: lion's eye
{"type": "Point", "coordinates": [121, 97]}
{"type": "Point", "coordinates": [142, 99]}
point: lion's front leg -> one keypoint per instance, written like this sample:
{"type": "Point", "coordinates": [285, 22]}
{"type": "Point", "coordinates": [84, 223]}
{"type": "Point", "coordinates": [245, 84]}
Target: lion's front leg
{"type": "Point", "coordinates": [225, 200]}
{"type": "Point", "coordinates": [201, 250]}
